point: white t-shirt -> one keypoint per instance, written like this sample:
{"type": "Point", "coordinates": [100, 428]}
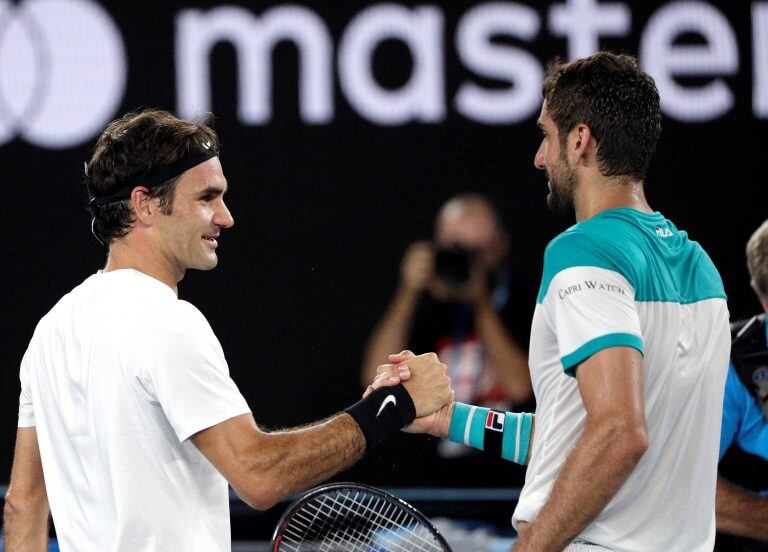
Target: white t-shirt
{"type": "Point", "coordinates": [117, 377]}
{"type": "Point", "coordinates": [625, 278]}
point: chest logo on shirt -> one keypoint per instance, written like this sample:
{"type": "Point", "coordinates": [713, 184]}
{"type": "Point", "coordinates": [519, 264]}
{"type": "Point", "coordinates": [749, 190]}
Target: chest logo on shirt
{"type": "Point", "coordinates": [495, 421]}
{"type": "Point", "coordinates": [663, 232]}
{"type": "Point", "coordinates": [595, 285]}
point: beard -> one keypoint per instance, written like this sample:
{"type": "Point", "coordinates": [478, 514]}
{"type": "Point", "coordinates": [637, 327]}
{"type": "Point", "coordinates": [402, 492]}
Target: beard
{"type": "Point", "coordinates": [562, 184]}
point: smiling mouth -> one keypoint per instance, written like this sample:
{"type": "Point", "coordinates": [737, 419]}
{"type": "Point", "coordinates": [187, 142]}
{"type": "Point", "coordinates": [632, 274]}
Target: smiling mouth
{"type": "Point", "coordinates": [211, 240]}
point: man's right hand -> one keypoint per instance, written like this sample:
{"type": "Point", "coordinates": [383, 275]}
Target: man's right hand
{"type": "Point", "coordinates": [438, 423]}
{"type": "Point", "coordinates": [429, 385]}
{"type": "Point", "coordinates": [417, 267]}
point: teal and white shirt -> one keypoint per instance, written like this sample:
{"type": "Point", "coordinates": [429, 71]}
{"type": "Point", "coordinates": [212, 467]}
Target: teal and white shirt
{"type": "Point", "coordinates": [627, 278]}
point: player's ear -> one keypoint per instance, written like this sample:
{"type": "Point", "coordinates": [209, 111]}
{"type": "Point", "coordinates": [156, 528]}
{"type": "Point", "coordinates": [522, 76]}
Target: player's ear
{"type": "Point", "coordinates": [579, 143]}
{"type": "Point", "coordinates": [143, 205]}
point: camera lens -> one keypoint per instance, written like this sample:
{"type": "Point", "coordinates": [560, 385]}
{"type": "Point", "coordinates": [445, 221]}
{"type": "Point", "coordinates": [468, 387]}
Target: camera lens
{"type": "Point", "coordinates": [452, 264]}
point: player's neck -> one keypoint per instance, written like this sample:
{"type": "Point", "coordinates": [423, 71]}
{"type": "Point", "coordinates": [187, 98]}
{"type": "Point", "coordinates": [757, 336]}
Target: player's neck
{"type": "Point", "coordinates": [145, 260]}
{"type": "Point", "coordinates": [600, 194]}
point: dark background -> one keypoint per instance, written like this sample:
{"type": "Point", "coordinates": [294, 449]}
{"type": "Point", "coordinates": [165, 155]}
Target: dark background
{"type": "Point", "coordinates": [323, 213]}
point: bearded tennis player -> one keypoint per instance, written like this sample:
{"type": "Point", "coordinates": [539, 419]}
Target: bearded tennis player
{"type": "Point", "coordinates": [629, 341]}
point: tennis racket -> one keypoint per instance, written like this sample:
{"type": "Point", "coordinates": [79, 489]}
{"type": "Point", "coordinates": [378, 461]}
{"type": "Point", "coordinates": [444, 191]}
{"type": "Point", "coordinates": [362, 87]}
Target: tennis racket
{"type": "Point", "coordinates": [348, 517]}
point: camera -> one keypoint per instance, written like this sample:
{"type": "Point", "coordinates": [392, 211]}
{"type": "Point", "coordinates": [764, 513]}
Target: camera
{"type": "Point", "coordinates": [453, 264]}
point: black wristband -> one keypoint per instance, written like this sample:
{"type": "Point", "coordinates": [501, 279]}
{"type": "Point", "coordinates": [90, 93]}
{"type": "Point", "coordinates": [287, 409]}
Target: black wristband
{"type": "Point", "coordinates": [494, 433]}
{"type": "Point", "coordinates": [382, 413]}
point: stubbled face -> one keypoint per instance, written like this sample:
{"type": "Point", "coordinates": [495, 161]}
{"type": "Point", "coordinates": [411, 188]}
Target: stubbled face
{"type": "Point", "coordinates": [552, 159]}
{"type": "Point", "coordinates": [188, 237]}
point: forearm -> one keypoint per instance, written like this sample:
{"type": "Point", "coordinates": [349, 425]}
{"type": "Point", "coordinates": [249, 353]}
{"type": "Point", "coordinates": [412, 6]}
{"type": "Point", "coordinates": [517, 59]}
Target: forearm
{"type": "Point", "coordinates": [391, 334]}
{"type": "Point", "coordinates": [507, 357]}
{"type": "Point", "coordinates": [600, 463]}
{"type": "Point", "coordinates": [288, 462]}
{"type": "Point", "coordinates": [25, 529]}
{"type": "Point", "coordinates": [741, 512]}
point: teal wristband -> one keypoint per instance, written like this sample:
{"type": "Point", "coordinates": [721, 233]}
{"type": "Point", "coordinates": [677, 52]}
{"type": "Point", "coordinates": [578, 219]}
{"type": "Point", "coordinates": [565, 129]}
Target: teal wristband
{"type": "Point", "coordinates": [469, 424]}
{"type": "Point", "coordinates": [517, 437]}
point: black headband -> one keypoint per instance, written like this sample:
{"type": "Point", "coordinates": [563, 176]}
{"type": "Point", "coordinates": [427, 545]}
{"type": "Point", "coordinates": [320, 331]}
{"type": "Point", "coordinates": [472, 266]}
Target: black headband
{"type": "Point", "coordinates": [154, 176]}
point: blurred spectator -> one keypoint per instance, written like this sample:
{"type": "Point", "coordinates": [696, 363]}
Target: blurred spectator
{"type": "Point", "coordinates": [461, 297]}
{"type": "Point", "coordinates": [742, 513]}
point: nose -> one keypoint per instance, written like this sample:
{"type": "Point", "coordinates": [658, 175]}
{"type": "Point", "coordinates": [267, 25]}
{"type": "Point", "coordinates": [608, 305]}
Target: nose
{"type": "Point", "coordinates": [223, 217]}
{"type": "Point", "coordinates": [538, 159]}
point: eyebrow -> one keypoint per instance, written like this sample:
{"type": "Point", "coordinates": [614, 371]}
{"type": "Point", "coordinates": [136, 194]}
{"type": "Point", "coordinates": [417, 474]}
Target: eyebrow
{"type": "Point", "coordinates": [212, 191]}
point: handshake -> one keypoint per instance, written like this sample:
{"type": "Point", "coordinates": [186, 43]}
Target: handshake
{"type": "Point", "coordinates": [425, 379]}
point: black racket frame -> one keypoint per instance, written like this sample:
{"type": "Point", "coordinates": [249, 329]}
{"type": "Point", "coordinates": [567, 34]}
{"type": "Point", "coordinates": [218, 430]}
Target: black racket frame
{"type": "Point", "coordinates": [299, 503]}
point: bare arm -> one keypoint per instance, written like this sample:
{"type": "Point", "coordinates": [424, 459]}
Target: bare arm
{"type": "Point", "coordinates": [741, 512]}
{"type": "Point", "coordinates": [508, 359]}
{"type": "Point", "coordinates": [391, 334]}
{"type": "Point", "coordinates": [264, 468]}
{"type": "Point", "coordinates": [612, 443]}
{"type": "Point", "coordinates": [25, 516]}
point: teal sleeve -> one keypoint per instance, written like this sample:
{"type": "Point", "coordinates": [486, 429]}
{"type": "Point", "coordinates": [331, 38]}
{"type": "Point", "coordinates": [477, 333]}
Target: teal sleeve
{"type": "Point", "coordinates": [570, 361]}
{"type": "Point", "coordinates": [577, 248]}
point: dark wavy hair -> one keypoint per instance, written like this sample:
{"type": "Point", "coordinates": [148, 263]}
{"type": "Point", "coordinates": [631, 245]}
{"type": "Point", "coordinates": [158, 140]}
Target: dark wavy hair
{"type": "Point", "coordinates": [616, 99]}
{"type": "Point", "coordinates": [133, 144]}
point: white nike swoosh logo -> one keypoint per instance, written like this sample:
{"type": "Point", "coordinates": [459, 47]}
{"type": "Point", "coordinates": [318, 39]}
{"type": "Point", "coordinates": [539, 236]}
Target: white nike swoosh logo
{"type": "Point", "coordinates": [389, 399]}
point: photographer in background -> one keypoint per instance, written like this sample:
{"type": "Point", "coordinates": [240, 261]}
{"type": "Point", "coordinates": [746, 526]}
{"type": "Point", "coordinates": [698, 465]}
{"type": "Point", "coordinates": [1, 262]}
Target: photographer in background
{"type": "Point", "coordinates": [460, 297]}
{"type": "Point", "coordinates": [742, 513]}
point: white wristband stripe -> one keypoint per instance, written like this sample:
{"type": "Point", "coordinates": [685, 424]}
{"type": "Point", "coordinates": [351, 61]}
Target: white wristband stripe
{"type": "Point", "coordinates": [517, 438]}
{"type": "Point", "coordinates": [469, 425]}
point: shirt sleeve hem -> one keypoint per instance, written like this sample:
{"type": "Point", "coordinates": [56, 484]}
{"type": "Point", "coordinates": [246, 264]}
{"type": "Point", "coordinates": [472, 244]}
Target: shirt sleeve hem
{"type": "Point", "coordinates": [185, 433]}
{"type": "Point", "coordinates": [570, 361]}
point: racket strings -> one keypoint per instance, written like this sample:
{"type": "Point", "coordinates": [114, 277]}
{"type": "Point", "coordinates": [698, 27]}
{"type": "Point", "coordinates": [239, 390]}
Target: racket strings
{"type": "Point", "coordinates": [357, 535]}
{"type": "Point", "coordinates": [407, 526]}
{"type": "Point", "coordinates": [406, 530]}
{"type": "Point", "coordinates": [360, 522]}
{"type": "Point", "coordinates": [384, 514]}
